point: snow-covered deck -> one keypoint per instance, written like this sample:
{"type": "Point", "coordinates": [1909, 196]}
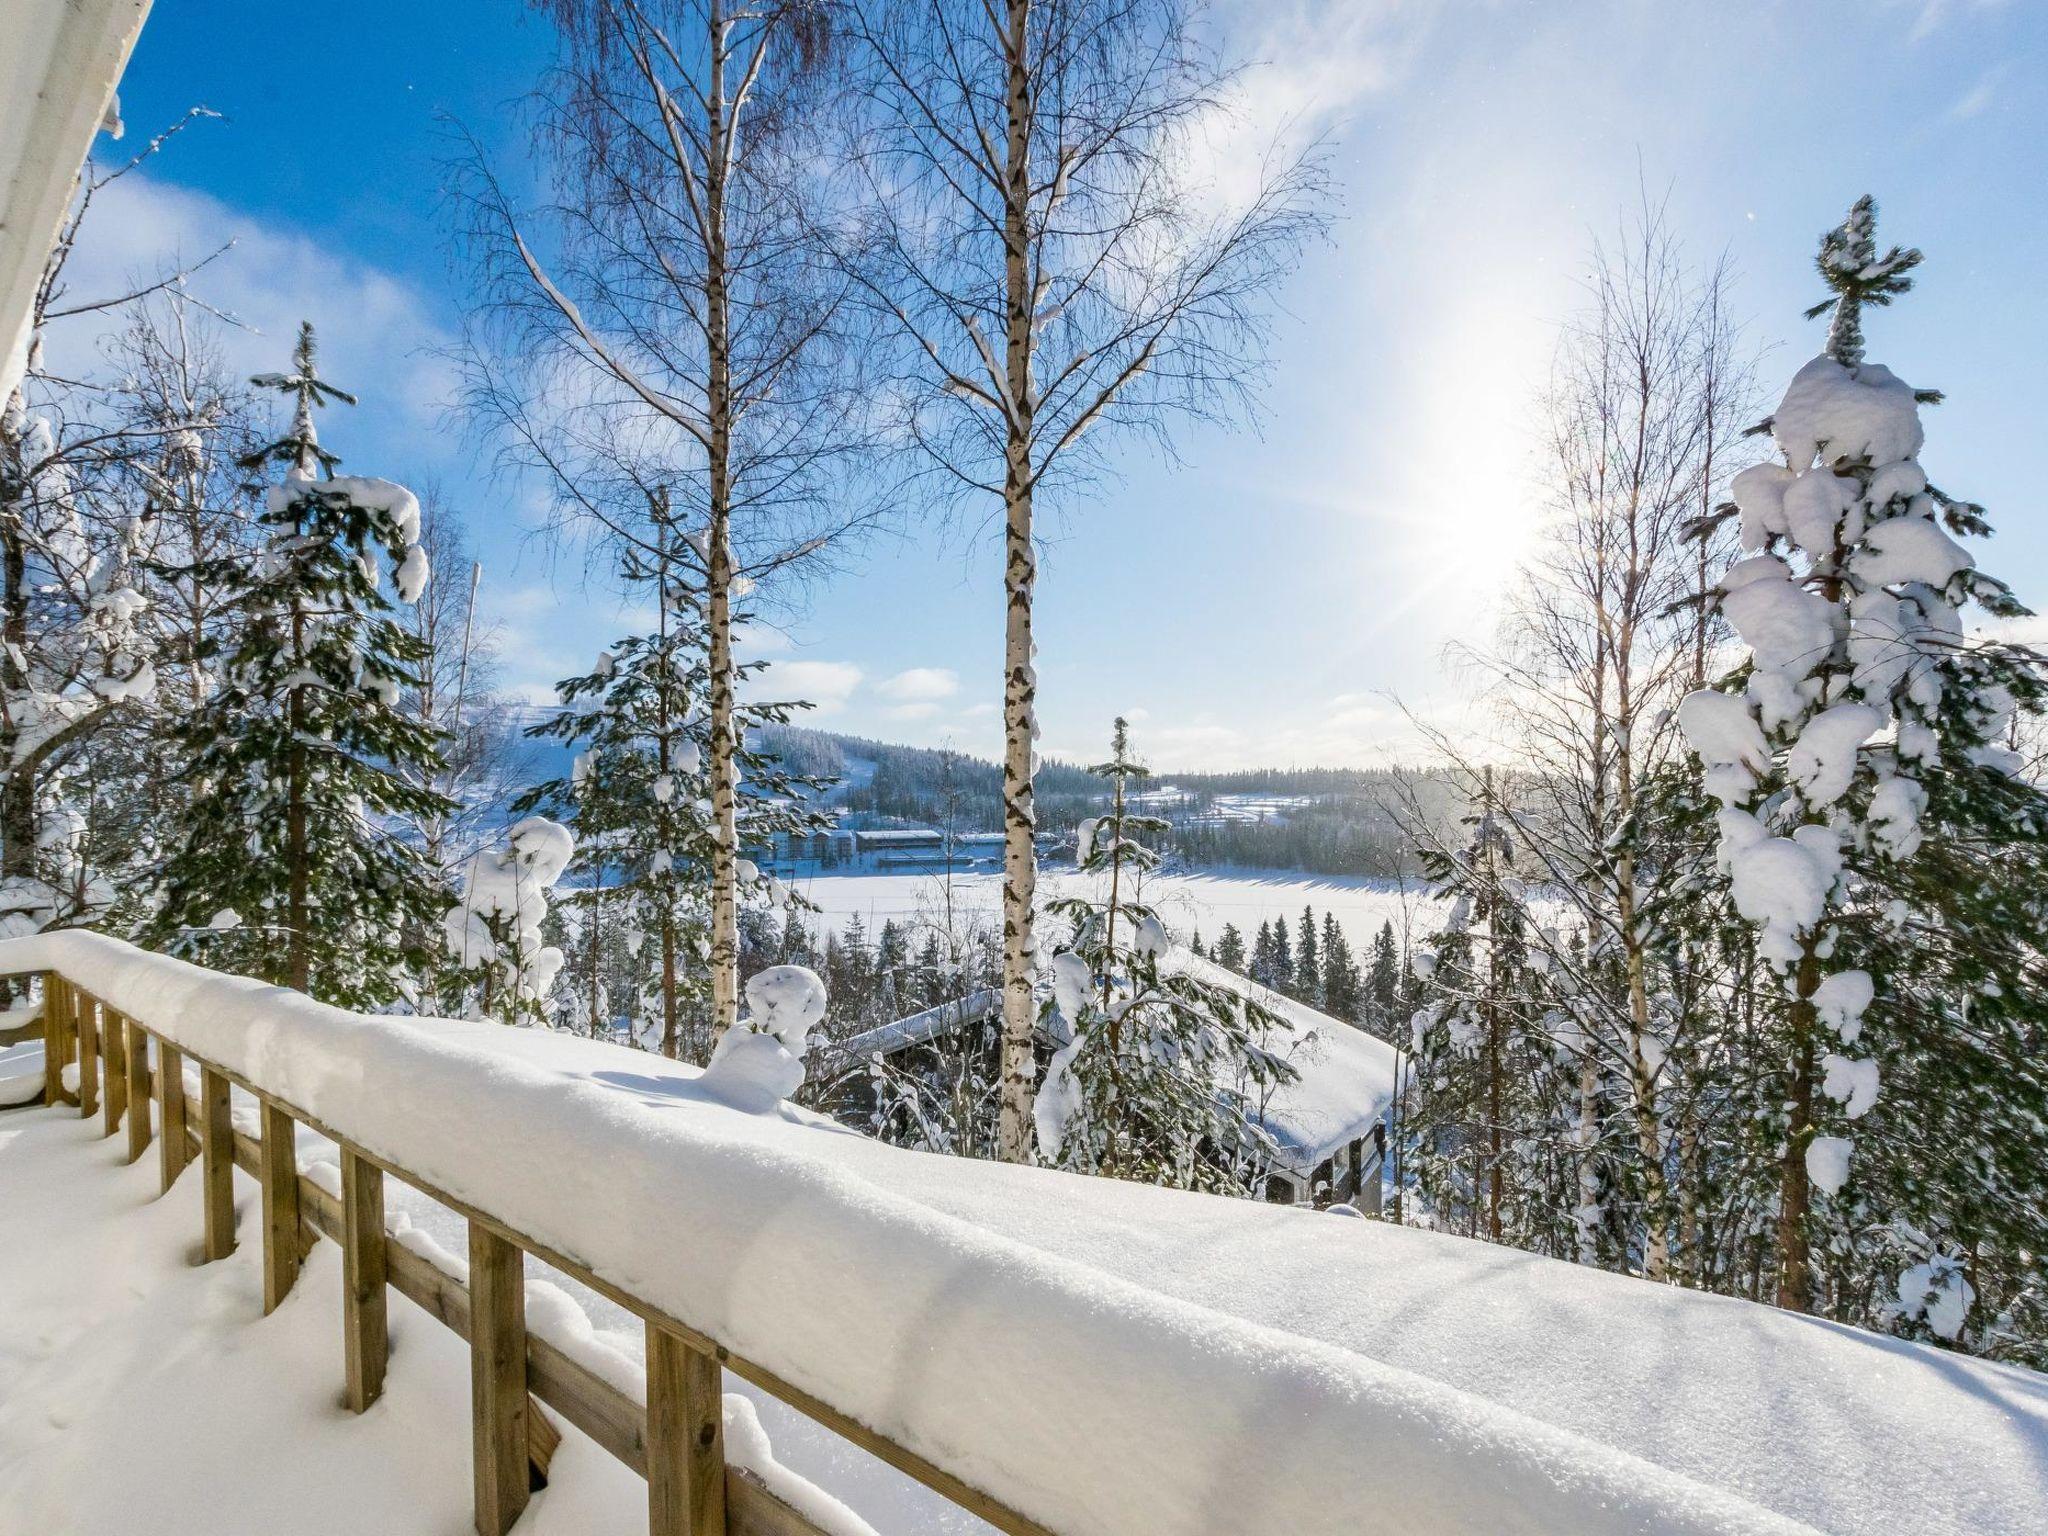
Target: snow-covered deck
{"type": "Point", "coordinates": [1111, 1358]}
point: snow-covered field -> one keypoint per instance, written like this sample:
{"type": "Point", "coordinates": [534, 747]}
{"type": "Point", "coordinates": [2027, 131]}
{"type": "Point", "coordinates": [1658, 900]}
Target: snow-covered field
{"type": "Point", "coordinates": [1195, 899]}
{"type": "Point", "coordinates": [1113, 1359]}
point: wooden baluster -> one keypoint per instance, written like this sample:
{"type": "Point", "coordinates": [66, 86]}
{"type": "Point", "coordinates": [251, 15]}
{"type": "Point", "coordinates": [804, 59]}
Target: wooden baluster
{"type": "Point", "coordinates": [685, 1438]}
{"type": "Point", "coordinates": [497, 1378]}
{"type": "Point", "coordinates": [138, 1090]}
{"type": "Point", "coordinates": [172, 1150]}
{"type": "Point", "coordinates": [282, 1246]}
{"type": "Point", "coordinates": [55, 1051]}
{"type": "Point", "coordinates": [85, 1014]}
{"type": "Point", "coordinates": [217, 1164]}
{"type": "Point", "coordinates": [114, 1037]}
{"type": "Point", "coordinates": [365, 1340]}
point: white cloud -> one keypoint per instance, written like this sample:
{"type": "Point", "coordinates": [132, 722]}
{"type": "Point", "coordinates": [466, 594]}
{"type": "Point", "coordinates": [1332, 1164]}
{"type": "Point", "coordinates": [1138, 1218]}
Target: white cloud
{"type": "Point", "coordinates": [1311, 65]}
{"type": "Point", "coordinates": [923, 710]}
{"type": "Point", "coordinates": [757, 638]}
{"type": "Point", "coordinates": [377, 332]}
{"type": "Point", "coordinates": [920, 685]}
{"type": "Point", "coordinates": [1349, 730]}
{"type": "Point", "coordinates": [530, 662]}
{"type": "Point", "coordinates": [1933, 15]}
{"type": "Point", "coordinates": [827, 685]}
{"type": "Point", "coordinates": [1979, 96]}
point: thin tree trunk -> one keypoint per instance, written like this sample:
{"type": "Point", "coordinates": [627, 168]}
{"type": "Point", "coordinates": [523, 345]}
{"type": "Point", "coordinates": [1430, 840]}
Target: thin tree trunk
{"type": "Point", "coordinates": [725, 933]}
{"type": "Point", "coordinates": [18, 788]}
{"type": "Point", "coordinates": [671, 1042]}
{"type": "Point", "coordinates": [725, 936]}
{"type": "Point", "coordinates": [1397, 1122]}
{"type": "Point", "coordinates": [1020, 684]}
{"type": "Point", "coordinates": [298, 959]}
{"type": "Point", "coordinates": [1642, 1081]}
{"type": "Point", "coordinates": [1496, 1176]}
{"type": "Point", "coordinates": [1795, 1187]}
{"type": "Point", "coordinates": [590, 937]}
{"type": "Point", "coordinates": [1116, 1090]}
{"type": "Point", "coordinates": [671, 1045]}
{"type": "Point", "coordinates": [1589, 1174]}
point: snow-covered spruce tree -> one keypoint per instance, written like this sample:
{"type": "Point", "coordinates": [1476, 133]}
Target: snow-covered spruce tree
{"type": "Point", "coordinates": [1874, 831]}
{"type": "Point", "coordinates": [1162, 1070]}
{"type": "Point", "coordinates": [1343, 985]}
{"type": "Point", "coordinates": [284, 863]}
{"type": "Point", "coordinates": [638, 797]}
{"type": "Point", "coordinates": [493, 931]}
{"type": "Point", "coordinates": [1484, 1078]}
{"type": "Point", "coordinates": [1229, 951]}
{"type": "Point", "coordinates": [1380, 990]}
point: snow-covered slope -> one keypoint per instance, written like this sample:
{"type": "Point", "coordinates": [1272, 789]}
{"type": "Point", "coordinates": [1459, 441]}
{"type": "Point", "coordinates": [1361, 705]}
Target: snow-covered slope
{"type": "Point", "coordinates": [1111, 1358]}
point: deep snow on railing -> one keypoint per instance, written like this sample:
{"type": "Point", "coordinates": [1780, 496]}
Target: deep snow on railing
{"type": "Point", "coordinates": [1053, 1353]}
{"type": "Point", "coordinates": [673, 1437]}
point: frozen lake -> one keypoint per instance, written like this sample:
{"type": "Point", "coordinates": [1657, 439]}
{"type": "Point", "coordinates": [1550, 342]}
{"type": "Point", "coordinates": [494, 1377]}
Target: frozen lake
{"type": "Point", "coordinates": [1187, 900]}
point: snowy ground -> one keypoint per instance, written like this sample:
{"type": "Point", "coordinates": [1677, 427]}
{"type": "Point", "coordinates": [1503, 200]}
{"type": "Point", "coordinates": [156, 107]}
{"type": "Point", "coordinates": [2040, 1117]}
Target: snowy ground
{"type": "Point", "coordinates": [1196, 899]}
{"type": "Point", "coordinates": [21, 1073]}
{"type": "Point", "coordinates": [139, 1391]}
{"type": "Point", "coordinates": [112, 1334]}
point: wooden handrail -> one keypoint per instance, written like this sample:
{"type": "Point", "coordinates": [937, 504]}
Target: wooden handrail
{"type": "Point", "coordinates": [674, 1440]}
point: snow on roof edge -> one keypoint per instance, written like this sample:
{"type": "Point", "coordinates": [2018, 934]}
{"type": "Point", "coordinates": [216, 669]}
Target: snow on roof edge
{"type": "Point", "coordinates": [1346, 1076]}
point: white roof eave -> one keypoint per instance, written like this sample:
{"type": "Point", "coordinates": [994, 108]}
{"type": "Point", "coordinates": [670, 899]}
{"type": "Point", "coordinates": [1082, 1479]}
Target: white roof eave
{"type": "Point", "coordinates": [57, 77]}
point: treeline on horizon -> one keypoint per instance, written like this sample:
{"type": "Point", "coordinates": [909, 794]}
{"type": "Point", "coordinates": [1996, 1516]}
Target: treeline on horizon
{"type": "Point", "coordinates": [1349, 821]}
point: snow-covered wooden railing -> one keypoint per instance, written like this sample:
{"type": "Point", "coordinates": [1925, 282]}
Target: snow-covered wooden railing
{"type": "Point", "coordinates": [1050, 1352]}
{"type": "Point", "coordinates": [674, 1438]}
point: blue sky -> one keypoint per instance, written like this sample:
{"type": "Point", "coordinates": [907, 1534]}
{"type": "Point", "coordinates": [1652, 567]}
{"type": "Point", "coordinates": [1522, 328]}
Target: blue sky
{"type": "Point", "coordinates": [1270, 597]}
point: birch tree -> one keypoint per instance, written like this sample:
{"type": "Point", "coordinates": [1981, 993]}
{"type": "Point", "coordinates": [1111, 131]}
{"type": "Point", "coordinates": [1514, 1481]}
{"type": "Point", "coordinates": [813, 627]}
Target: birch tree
{"type": "Point", "coordinates": [1037, 233]}
{"type": "Point", "coordinates": [1594, 653]}
{"type": "Point", "coordinates": [663, 323]}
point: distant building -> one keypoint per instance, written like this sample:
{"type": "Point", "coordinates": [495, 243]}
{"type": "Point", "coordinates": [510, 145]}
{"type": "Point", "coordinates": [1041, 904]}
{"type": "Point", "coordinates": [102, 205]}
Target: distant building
{"type": "Point", "coordinates": [1328, 1126]}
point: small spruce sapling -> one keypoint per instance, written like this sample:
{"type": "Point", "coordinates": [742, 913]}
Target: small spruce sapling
{"type": "Point", "coordinates": [494, 930]}
{"type": "Point", "coordinates": [639, 794]}
{"type": "Point", "coordinates": [1160, 1071]}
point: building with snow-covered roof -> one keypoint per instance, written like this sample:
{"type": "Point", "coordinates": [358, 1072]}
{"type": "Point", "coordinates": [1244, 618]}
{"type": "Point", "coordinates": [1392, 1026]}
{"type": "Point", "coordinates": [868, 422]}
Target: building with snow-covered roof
{"type": "Point", "coordinates": [1328, 1125]}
